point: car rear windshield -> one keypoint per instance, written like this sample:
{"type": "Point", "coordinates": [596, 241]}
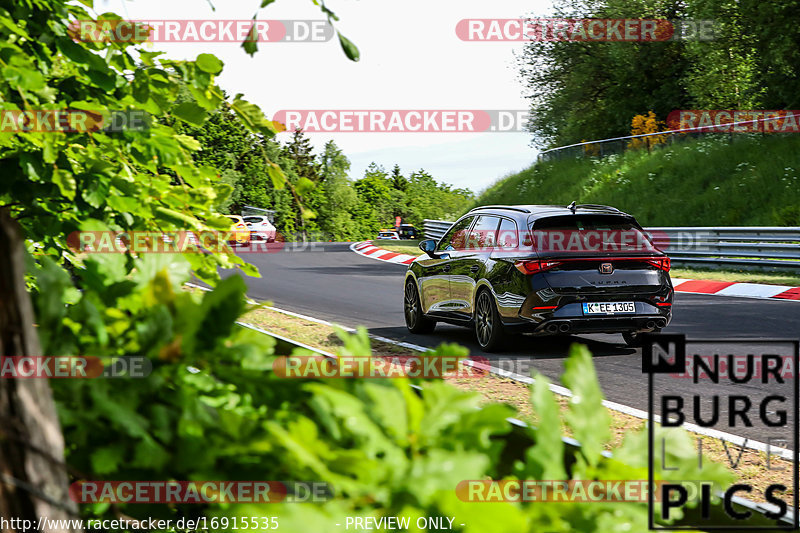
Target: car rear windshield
{"type": "Point", "coordinates": [590, 235]}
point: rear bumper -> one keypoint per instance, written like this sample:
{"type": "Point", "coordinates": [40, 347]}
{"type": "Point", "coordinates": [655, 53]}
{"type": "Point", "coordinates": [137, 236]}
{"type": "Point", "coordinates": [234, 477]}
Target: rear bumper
{"type": "Point", "coordinates": [565, 314]}
{"type": "Point", "coordinates": [561, 326]}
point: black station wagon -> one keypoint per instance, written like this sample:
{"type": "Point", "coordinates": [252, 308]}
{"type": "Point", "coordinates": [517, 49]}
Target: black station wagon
{"type": "Point", "coordinates": [540, 269]}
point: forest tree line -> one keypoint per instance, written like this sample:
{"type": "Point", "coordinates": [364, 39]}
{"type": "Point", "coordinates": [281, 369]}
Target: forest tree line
{"type": "Point", "coordinates": [592, 90]}
{"type": "Point", "coordinates": [322, 200]}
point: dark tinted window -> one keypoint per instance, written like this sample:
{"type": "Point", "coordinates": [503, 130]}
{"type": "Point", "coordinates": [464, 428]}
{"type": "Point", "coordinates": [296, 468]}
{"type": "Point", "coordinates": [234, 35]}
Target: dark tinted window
{"type": "Point", "coordinates": [484, 233]}
{"type": "Point", "coordinates": [456, 237]}
{"type": "Point", "coordinates": [576, 234]}
{"type": "Point", "coordinates": [507, 236]}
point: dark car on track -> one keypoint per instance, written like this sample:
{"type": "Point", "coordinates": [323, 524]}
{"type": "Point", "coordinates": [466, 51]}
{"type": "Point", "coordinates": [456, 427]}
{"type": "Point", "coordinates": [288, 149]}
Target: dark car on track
{"type": "Point", "coordinates": [540, 269]}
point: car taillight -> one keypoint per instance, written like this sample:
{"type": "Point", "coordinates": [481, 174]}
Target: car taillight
{"type": "Point", "coordinates": [241, 226]}
{"type": "Point", "coordinates": [533, 267]}
{"type": "Point", "coordinates": [662, 263]}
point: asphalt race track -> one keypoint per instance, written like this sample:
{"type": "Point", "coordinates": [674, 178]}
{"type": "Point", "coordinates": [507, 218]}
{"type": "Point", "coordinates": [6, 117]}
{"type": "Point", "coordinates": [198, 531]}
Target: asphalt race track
{"type": "Point", "coordinates": [328, 281]}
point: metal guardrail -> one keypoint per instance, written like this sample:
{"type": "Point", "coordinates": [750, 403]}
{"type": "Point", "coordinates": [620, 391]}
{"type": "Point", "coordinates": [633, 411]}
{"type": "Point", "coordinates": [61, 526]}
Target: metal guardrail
{"type": "Point", "coordinates": [435, 229]}
{"type": "Point", "coordinates": [745, 247]}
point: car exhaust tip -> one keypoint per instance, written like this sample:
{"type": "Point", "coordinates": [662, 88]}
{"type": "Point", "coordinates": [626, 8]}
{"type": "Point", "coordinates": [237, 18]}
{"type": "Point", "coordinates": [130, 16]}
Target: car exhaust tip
{"type": "Point", "coordinates": [651, 324]}
{"type": "Point", "coordinates": [552, 328]}
{"type": "Point", "coordinates": [661, 323]}
{"type": "Point", "coordinates": [563, 328]}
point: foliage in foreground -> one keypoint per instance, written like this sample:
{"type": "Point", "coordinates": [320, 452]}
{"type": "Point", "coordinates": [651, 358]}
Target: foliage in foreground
{"type": "Point", "coordinates": [385, 448]}
{"type": "Point", "coordinates": [211, 408]}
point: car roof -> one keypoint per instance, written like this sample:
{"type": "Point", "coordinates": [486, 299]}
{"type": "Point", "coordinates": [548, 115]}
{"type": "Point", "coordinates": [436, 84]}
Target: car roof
{"type": "Point", "coordinates": [542, 211]}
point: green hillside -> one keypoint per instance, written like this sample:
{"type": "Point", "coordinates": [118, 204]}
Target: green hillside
{"type": "Point", "coordinates": [752, 180]}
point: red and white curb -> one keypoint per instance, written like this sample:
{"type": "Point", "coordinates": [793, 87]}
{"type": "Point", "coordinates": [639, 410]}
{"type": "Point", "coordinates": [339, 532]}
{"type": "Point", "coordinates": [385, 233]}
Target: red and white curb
{"type": "Point", "coordinates": [740, 290]}
{"type": "Point", "coordinates": [692, 286]}
{"type": "Point", "coordinates": [368, 250]}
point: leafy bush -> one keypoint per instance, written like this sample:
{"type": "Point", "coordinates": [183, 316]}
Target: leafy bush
{"type": "Point", "coordinates": [212, 409]}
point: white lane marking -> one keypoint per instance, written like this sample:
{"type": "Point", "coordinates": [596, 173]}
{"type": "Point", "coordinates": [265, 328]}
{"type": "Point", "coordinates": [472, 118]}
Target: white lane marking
{"type": "Point", "coordinates": [558, 389]}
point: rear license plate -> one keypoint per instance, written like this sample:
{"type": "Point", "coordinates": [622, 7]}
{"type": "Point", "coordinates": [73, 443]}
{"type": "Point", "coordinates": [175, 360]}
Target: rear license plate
{"type": "Point", "coordinates": [609, 308]}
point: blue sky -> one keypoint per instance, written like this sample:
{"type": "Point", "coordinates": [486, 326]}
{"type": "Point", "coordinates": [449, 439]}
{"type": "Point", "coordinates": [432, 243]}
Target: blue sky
{"type": "Point", "coordinates": [411, 58]}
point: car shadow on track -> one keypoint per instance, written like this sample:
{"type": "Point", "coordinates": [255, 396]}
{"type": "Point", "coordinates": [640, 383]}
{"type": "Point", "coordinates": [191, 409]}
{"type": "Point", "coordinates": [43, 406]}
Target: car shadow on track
{"type": "Point", "coordinates": [517, 346]}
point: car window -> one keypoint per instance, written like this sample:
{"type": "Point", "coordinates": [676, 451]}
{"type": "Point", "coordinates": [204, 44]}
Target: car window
{"type": "Point", "coordinates": [507, 236]}
{"type": "Point", "coordinates": [606, 234]}
{"type": "Point", "coordinates": [456, 238]}
{"type": "Point", "coordinates": [483, 234]}
{"type": "Point", "coordinates": [253, 220]}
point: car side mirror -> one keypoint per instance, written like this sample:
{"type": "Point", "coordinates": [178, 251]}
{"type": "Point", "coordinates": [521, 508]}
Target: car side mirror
{"type": "Point", "coordinates": [428, 246]}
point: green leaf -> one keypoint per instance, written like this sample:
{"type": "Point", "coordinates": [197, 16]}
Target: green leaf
{"type": "Point", "coordinates": [265, 3]}
{"type": "Point", "coordinates": [95, 189]}
{"type": "Point", "coordinates": [304, 186]}
{"type": "Point", "coordinates": [350, 50]}
{"type": "Point", "coordinates": [106, 80]}
{"type": "Point", "coordinates": [252, 116]}
{"type": "Point", "coordinates": [190, 112]}
{"type": "Point", "coordinates": [277, 175]}
{"type": "Point", "coordinates": [141, 86]}
{"type": "Point", "coordinates": [65, 182]}
{"type": "Point", "coordinates": [106, 460]}
{"type": "Point", "coordinates": [546, 457]}
{"type": "Point", "coordinates": [189, 143]}
{"type": "Point", "coordinates": [250, 43]}
{"type": "Point", "coordinates": [221, 307]}
{"type": "Point", "coordinates": [587, 417]}
{"type": "Point", "coordinates": [209, 63]}
{"type": "Point", "coordinates": [181, 220]}
{"type": "Point", "coordinates": [26, 79]}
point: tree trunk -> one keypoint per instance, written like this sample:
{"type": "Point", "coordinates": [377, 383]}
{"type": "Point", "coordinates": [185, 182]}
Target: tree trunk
{"type": "Point", "coordinates": [33, 480]}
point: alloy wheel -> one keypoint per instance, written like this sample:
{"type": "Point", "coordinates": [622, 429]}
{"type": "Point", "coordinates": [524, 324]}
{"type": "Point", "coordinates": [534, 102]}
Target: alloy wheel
{"type": "Point", "coordinates": [410, 306]}
{"type": "Point", "coordinates": [484, 319]}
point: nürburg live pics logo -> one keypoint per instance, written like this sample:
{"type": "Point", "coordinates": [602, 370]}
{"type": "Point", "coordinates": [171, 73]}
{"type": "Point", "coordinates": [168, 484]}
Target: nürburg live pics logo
{"type": "Point", "coordinates": [743, 395]}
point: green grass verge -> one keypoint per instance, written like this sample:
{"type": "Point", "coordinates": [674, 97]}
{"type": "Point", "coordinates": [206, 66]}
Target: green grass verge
{"type": "Point", "coordinates": [401, 247]}
{"type": "Point", "coordinates": [715, 181]}
{"type": "Point", "coordinates": [743, 276]}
